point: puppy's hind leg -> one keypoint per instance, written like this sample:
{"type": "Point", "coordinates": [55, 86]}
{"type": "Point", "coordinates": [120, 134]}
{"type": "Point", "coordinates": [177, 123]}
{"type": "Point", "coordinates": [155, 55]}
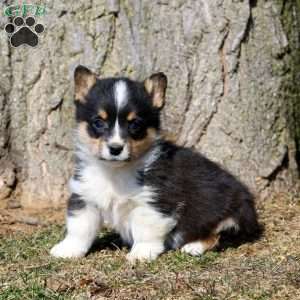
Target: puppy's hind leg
{"type": "Point", "coordinates": [83, 222]}
{"type": "Point", "coordinates": [199, 247]}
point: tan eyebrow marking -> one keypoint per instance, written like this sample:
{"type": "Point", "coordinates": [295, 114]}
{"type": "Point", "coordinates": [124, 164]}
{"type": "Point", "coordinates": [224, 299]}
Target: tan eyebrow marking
{"type": "Point", "coordinates": [131, 116]}
{"type": "Point", "coordinates": [103, 114]}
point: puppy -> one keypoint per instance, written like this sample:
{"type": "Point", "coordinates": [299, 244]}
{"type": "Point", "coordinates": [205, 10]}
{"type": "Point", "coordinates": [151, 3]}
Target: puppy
{"type": "Point", "coordinates": [155, 194]}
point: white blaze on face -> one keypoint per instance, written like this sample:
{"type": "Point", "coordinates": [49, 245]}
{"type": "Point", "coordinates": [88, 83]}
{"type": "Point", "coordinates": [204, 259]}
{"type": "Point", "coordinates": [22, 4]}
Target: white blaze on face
{"type": "Point", "coordinates": [120, 94]}
{"type": "Point", "coordinates": [121, 99]}
{"type": "Point", "coordinates": [116, 136]}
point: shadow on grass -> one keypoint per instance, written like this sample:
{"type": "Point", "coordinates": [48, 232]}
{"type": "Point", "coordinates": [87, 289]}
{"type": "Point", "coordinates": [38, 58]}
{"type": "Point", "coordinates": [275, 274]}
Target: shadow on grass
{"type": "Point", "coordinates": [229, 239]}
{"type": "Point", "coordinates": [110, 240]}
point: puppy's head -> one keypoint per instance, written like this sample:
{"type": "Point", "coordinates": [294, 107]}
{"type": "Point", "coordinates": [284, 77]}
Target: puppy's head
{"type": "Point", "coordinates": [118, 119]}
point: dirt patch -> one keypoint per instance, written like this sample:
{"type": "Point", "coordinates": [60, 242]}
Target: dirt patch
{"type": "Point", "coordinates": [16, 220]}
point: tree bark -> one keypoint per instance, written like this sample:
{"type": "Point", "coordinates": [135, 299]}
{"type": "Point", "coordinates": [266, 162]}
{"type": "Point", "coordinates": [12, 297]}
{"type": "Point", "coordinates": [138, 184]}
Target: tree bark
{"type": "Point", "coordinates": [233, 70]}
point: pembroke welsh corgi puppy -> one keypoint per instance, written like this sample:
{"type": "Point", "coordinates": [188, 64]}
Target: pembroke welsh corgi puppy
{"type": "Point", "coordinates": [155, 194]}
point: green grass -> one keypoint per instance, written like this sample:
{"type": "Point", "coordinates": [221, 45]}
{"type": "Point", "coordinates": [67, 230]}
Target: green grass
{"type": "Point", "coordinates": [25, 247]}
{"type": "Point", "coordinates": [34, 290]}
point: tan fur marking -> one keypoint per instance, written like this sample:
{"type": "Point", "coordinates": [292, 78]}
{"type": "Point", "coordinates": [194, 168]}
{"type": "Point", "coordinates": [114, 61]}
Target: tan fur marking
{"type": "Point", "coordinates": [94, 145]}
{"type": "Point", "coordinates": [103, 114]}
{"type": "Point", "coordinates": [84, 81]}
{"type": "Point", "coordinates": [140, 147]}
{"type": "Point", "coordinates": [156, 86]}
{"type": "Point", "coordinates": [211, 242]}
{"type": "Point", "coordinates": [168, 136]}
{"type": "Point", "coordinates": [131, 116]}
{"type": "Point", "coordinates": [158, 100]}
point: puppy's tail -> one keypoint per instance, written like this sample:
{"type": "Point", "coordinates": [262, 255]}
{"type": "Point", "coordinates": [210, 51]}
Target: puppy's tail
{"type": "Point", "coordinates": [249, 227]}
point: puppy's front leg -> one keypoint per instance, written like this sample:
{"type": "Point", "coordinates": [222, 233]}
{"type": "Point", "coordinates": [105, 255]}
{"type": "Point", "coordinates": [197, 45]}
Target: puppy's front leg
{"type": "Point", "coordinates": [83, 223]}
{"type": "Point", "coordinates": [149, 229]}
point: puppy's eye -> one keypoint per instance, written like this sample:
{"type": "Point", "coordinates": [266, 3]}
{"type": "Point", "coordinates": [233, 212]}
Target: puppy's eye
{"type": "Point", "coordinates": [135, 125]}
{"type": "Point", "coordinates": [98, 124]}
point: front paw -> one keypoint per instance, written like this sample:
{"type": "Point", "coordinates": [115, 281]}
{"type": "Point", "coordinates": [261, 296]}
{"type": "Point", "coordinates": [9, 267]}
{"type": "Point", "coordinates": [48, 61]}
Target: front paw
{"type": "Point", "coordinates": [68, 248]}
{"type": "Point", "coordinates": [145, 251]}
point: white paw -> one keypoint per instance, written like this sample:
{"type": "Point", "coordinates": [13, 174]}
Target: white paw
{"type": "Point", "coordinates": [69, 248]}
{"type": "Point", "coordinates": [194, 248]}
{"type": "Point", "coordinates": [145, 251]}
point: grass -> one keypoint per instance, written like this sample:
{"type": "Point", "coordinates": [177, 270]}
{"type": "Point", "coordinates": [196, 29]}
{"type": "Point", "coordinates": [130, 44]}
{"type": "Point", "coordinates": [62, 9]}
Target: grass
{"type": "Point", "coordinates": [266, 269]}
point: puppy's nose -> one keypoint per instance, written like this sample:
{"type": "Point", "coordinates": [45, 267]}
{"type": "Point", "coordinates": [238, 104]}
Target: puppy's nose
{"type": "Point", "coordinates": [115, 149]}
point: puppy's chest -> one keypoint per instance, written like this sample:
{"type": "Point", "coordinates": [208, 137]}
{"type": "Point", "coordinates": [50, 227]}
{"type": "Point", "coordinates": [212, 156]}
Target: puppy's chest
{"type": "Point", "coordinates": [115, 192]}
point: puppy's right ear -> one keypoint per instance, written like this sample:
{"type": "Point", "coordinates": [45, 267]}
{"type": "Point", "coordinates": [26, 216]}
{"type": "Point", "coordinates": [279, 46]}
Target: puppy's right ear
{"type": "Point", "coordinates": [84, 81]}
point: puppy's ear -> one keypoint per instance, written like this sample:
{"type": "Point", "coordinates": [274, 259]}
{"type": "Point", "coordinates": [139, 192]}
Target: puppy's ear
{"type": "Point", "coordinates": [84, 81]}
{"type": "Point", "coordinates": [156, 86]}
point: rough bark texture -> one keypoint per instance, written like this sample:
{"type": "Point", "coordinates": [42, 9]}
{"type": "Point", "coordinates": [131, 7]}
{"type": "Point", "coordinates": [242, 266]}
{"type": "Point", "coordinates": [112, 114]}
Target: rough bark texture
{"type": "Point", "coordinates": [233, 69]}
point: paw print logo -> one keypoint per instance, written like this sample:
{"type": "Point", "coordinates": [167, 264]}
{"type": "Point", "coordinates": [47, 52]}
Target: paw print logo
{"type": "Point", "coordinates": [24, 31]}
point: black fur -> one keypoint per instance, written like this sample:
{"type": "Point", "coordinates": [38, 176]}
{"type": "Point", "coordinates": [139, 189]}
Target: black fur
{"type": "Point", "coordinates": [199, 194]}
{"type": "Point", "coordinates": [75, 203]}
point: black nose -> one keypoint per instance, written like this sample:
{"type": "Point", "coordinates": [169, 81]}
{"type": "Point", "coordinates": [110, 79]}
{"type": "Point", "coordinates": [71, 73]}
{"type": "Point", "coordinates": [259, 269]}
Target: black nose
{"type": "Point", "coordinates": [115, 149]}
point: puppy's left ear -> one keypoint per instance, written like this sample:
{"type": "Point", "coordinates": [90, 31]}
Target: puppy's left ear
{"type": "Point", "coordinates": [156, 86]}
{"type": "Point", "coordinates": [84, 81]}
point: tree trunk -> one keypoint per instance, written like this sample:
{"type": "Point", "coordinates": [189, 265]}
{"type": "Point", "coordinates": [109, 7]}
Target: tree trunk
{"type": "Point", "coordinates": [233, 70]}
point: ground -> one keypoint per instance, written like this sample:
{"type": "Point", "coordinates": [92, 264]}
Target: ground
{"type": "Point", "coordinates": [266, 269]}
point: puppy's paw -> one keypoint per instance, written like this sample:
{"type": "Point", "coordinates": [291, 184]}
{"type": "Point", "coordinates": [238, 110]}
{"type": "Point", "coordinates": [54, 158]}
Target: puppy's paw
{"type": "Point", "coordinates": [145, 251]}
{"type": "Point", "coordinates": [68, 248]}
{"type": "Point", "coordinates": [194, 248]}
